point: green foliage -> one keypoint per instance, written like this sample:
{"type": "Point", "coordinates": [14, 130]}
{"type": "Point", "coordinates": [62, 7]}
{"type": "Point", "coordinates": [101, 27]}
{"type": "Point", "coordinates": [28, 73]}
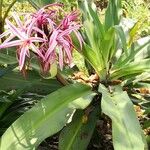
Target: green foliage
{"type": "Point", "coordinates": [114, 9]}
{"type": "Point", "coordinates": [78, 133]}
{"type": "Point", "coordinates": [40, 3]}
{"type": "Point", "coordinates": [101, 52]}
{"type": "Point", "coordinates": [114, 55]}
{"type": "Point", "coordinates": [15, 103]}
{"type": "Point", "coordinates": [139, 11]}
{"type": "Point", "coordinates": [123, 124]}
{"type": "Point", "coordinates": [53, 111]}
{"type": "Point", "coordinates": [15, 81]}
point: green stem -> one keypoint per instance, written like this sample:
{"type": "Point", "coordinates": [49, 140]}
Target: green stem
{"type": "Point", "coordinates": [7, 11]}
{"type": "Point", "coordinates": [61, 79]}
{"type": "Point", "coordinates": [1, 20]}
{"type": "Point", "coordinates": [34, 4]}
{"type": "Point", "coordinates": [1, 4]}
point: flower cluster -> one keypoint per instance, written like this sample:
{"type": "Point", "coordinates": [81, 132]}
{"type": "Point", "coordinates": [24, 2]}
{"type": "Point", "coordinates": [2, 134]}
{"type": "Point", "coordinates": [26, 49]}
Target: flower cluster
{"type": "Point", "coordinates": [46, 33]}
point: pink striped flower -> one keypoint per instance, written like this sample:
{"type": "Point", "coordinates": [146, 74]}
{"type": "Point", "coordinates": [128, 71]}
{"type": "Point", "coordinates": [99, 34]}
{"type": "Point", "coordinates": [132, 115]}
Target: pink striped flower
{"type": "Point", "coordinates": [60, 40]}
{"type": "Point", "coordinates": [24, 40]}
{"type": "Point", "coordinates": [45, 34]}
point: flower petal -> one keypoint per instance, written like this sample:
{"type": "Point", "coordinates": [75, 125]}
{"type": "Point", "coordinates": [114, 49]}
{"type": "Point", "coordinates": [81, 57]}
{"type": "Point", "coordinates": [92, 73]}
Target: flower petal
{"type": "Point", "coordinates": [15, 31]}
{"type": "Point", "coordinates": [37, 51]}
{"type": "Point", "coordinates": [68, 52]}
{"type": "Point", "coordinates": [52, 43]}
{"type": "Point", "coordinates": [39, 31]}
{"type": "Point", "coordinates": [36, 39]}
{"type": "Point", "coordinates": [4, 34]}
{"type": "Point", "coordinates": [22, 56]}
{"type": "Point", "coordinates": [17, 19]}
{"type": "Point", "coordinates": [79, 37]}
{"type": "Point", "coordinates": [69, 30]}
{"type": "Point", "coordinates": [51, 23]}
{"type": "Point", "coordinates": [11, 44]}
{"type": "Point", "coordinates": [68, 55]}
{"type": "Point", "coordinates": [30, 27]}
{"type": "Point", "coordinates": [9, 38]}
{"type": "Point", "coordinates": [61, 58]}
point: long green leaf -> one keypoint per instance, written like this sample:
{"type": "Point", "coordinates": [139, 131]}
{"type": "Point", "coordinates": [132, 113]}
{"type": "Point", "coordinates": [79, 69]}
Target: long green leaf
{"type": "Point", "coordinates": [107, 45]}
{"type": "Point", "coordinates": [133, 32]}
{"type": "Point", "coordinates": [122, 37]}
{"type": "Point", "coordinates": [97, 23]}
{"type": "Point", "coordinates": [138, 81]}
{"type": "Point", "coordinates": [113, 13]}
{"type": "Point", "coordinates": [136, 52]}
{"type": "Point", "coordinates": [91, 56]}
{"type": "Point", "coordinates": [15, 81]}
{"type": "Point", "coordinates": [78, 133]}
{"type": "Point", "coordinates": [32, 83]}
{"type": "Point", "coordinates": [94, 30]}
{"type": "Point", "coordinates": [134, 68]}
{"type": "Point", "coordinates": [7, 59]}
{"type": "Point", "coordinates": [40, 3]}
{"type": "Point", "coordinates": [18, 104]}
{"type": "Point", "coordinates": [8, 69]}
{"type": "Point", "coordinates": [5, 105]}
{"type": "Point", "coordinates": [44, 119]}
{"type": "Point", "coordinates": [126, 130]}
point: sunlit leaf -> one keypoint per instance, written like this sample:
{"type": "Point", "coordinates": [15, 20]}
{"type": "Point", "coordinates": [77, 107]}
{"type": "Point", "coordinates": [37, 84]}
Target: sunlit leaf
{"type": "Point", "coordinates": [40, 3]}
{"type": "Point", "coordinates": [44, 119]}
{"type": "Point", "coordinates": [125, 124]}
{"type": "Point", "coordinates": [107, 45]}
{"type": "Point", "coordinates": [133, 32]}
{"type": "Point", "coordinates": [78, 133]}
{"type": "Point", "coordinates": [136, 52]}
{"type": "Point", "coordinates": [114, 9]}
{"type": "Point", "coordinates": [91, 56]}
{"type": "Point", "coordinates": [134, 68]}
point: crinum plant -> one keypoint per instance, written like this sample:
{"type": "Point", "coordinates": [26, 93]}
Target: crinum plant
{"type": "Point", "coordinates": [50, 38]}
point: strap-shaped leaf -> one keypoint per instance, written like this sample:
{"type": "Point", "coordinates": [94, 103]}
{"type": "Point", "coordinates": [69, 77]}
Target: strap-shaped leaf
{"type": "Point", "coordinates": [15, 81]}
{"type": "Point", "coordinates": [97, 23]}
{"type": "Point", "coordinates": [5, 105]}
{"type": "Point", "coordinates": [114, 9]}
{"type": "Point", "coordinates": [39, 3]}
{"type": "Point", "coordinates": [134, 68]}
{"type": "Point", "coordinates": [90, 56]}
{"type": "Point", "coordinates": [8, 56]}
{"type": "Point", "coordinates": [44, 119]}
{"type": "Point", "coordinates": [107, 45]}
{"type": "Point", "coordinates": [7, 59]}
{"type": "Point", "coordinates": [134, 51]}
{"type": "Point", "coordinates": [94, 31]}
{"type": "Point", "coordinates": [138, 51]}
{"type": "Point", "coordinates": [133, 32]}
{"type": "Point", "coordinates": [126, 130]}
{"type": "Point", "coordinates": [78, 133]}
{"type": "Point", "coordinates": [32, 83]}
{"type": "Point", "coordinates": [121, 34]}
{"type": "Point", "coordinates": [6, 70]}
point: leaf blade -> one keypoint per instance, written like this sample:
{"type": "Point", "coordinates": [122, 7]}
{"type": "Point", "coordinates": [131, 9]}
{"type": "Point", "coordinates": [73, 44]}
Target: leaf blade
{"type": "Point", "coordinates": [44, 119]}
{"type": "Point", "coordinates": [78, 134]}
{"type": "Point", "coordinates": [124, 123]}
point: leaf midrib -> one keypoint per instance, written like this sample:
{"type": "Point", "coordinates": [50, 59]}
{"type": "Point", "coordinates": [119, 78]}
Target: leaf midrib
{"type": "Point", "coordinates": [74, 136]}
